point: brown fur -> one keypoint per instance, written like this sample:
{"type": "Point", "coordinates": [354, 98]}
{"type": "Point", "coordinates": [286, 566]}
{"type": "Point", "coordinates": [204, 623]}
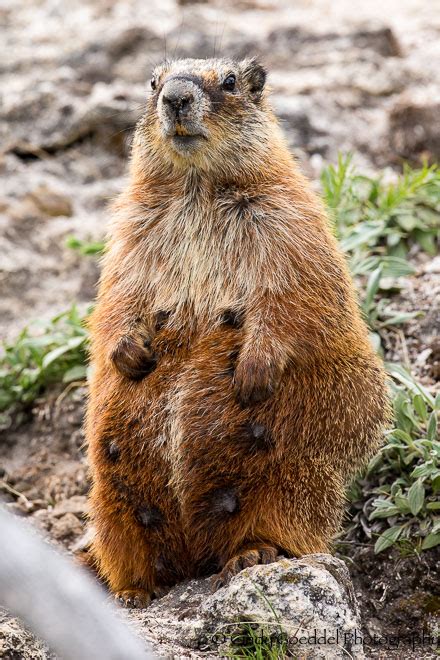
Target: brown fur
{"type": "Point", "coordinates": [235, 391]}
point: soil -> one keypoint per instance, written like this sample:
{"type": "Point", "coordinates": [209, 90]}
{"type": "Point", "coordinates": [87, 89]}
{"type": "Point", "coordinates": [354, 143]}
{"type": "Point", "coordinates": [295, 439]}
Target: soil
{"type": "Point", "coordinates": [74, 80]}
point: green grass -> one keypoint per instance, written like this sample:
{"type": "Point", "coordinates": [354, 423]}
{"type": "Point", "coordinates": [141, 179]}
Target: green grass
{"type": "Point", "coordinates": [260, 640]}
{"type": "Point", "coordinates": [255, 641]}
{"type": "Point", "coordinates": [377, 223]}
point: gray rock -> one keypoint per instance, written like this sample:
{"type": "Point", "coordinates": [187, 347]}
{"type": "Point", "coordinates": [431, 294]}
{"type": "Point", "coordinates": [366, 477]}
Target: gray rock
{"type": "Point", "coordinates": [67, 526]}
{"type": "Point", "coordinates": [380, 40]}
{"type": "Point", "coordinates": [99, 60]}
{"type": "Point", "coordinates": [17, 643]}
{"type": "Point", "coordinates": [48, 117]}
{"type": "Point", "coordinates": [76, 505]}
{"type": "Point", "coordinates": [414, 125]}
{"type": "Point", "coordinates": [50, 202]}
{"type": "Point", "coordinates": [295, 115]}
{"type": "Point", "coordinates": [305, 606]}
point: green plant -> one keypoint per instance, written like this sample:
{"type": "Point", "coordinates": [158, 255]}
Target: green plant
{"type": "Point", "coordinates": [252, 642]}
{"type": "Point", "coordinates": [376, 223]}
{"type": "Point", "coordinates": [260, 641]}
{"type": "Point", "coordinates": [375, 219]}
{"type": "Point", "coordinates": [398, 499]}
{"type": "Point", "coordinates": [42, 354]}
{"type": "Point", "coordinates": [86, 248]}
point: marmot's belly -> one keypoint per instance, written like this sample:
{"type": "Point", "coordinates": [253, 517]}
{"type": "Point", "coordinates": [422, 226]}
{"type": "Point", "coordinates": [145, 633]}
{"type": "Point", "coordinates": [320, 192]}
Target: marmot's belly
{"type": "Point", "coordinates": [184, 418]}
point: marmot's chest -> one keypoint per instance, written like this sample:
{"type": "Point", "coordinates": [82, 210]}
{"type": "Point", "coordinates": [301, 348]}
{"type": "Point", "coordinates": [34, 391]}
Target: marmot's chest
{"type": "Point", "coordinates": [207, 257]}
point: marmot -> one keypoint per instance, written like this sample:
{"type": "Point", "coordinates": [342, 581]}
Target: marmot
{"type": "Point", "coordinates": [234, 389]}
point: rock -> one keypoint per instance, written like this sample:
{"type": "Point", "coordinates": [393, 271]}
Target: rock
{"type": "Point", "coordinates": [433, 266]}
{"type": "Point", "coordinates": [51, 117]}
{"type": "Point", "coordinates": [381, 41]}
{"type": "Point", "coordinates": [305, 606]}
{"type": "Point", "coordinates": [185, 3]}
{"type": "Point", "coordinates": [308, 599]}
{"type": "Point", "coordinates": [51, 203]}
{"type": "Point", "coordinates": [66, 527]}
{"type": "Point", "coordinates": [434, 357]}
{"type": "Point", "coordinates": [191, 42]}
{"type": "Point", "coordinates": [294, 114]}
{"type": "Point", "coordinates": [76, 505]}
{"type": "Point", "coordinates": [414, 126]}
{"type": "Point", "coordinates": [98, 60]}
{"type": "Point", "coordinates": [16, 643]}
{"type": "Point", "coordinates": [84, 542]}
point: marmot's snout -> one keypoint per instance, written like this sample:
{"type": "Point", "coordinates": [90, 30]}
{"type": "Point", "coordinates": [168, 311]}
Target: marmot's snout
{"type": "Point", "coordinates": [177, 102]}
{"type": "Point", "coordinates": [181, 109]}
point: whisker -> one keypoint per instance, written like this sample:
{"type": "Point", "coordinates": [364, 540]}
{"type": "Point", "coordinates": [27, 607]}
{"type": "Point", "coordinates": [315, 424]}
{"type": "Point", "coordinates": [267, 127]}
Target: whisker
{"type": "Point", "coordinates": [215, 35]}
{"type": "Point", "coordinates": [222, 34]}
{"type": "Point", "coordinates": [123, 130]}
{"type": "Point", "coordinates": [179, 35]}
{"type": "Point", "coordinates": [164, 38]}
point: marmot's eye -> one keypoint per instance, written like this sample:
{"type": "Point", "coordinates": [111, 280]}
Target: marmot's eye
{"type": "Point", "coordinates": [153, 83]}
{"type": "Point", "coordinates": [229, 82]}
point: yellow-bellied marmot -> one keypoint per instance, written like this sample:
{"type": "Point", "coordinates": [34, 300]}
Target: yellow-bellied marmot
{"type": "Point", "coordinates": [234, 390]}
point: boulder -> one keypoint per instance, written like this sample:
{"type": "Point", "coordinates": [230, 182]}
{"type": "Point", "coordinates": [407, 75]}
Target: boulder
{"type": "Point", "coordinates": [304, 606]}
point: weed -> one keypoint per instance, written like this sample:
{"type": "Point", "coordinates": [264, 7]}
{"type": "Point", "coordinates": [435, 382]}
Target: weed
{"type": "Point", "coordinates": [397, 500]}
{"type": "Point", "coordinates": [377, 219]}
{"type": "Point", "coordinates": [42, 354]}
{"type": "Point", "coordinates": [86, 248]}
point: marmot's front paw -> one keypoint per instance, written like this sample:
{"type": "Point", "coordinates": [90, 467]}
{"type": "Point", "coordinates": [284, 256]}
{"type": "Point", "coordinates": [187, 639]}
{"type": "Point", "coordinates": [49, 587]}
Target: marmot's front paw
{"type": "Point", "coordinates": [133, 598]}
{"type": "Point", "coordinates": [255, 380]}
{"type": "Point", "coordinates": [133, 357]}
{"type": "Point", "coordinates": [251, 555]}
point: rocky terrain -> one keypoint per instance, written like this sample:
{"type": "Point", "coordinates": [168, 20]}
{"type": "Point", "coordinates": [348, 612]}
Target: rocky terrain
{"type": "Point", "coordinates": [74, 78]}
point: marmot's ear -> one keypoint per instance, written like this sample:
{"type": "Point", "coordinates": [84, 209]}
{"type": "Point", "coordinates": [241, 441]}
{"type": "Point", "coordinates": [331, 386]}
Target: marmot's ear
{"type": "Point", "coordinates": [255, 74]}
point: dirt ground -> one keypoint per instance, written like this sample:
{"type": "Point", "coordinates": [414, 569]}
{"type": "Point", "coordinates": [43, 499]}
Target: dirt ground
{"type": "Point", "coordinates": [73, 82]}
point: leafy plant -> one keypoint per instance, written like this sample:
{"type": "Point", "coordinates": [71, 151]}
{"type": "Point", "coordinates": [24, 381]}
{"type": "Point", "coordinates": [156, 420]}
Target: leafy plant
{"type": "Point", "coordinates": [376, 223]}
{"type": "Point", "coordinates": [42, 354]}
{"type": "Point", "coordinates": [86, 248]}
{"type": "Point", "coordinates": [374, 219]}
{"type": "Point", "coordinates": [399, 497]}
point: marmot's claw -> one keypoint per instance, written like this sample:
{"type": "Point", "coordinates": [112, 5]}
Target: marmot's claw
{"type": "Point", "coordinates": [133, 598]}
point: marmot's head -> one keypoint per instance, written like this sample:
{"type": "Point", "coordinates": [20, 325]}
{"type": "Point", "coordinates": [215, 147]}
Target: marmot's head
{"type": "Point", "coordinates": [208, 114]}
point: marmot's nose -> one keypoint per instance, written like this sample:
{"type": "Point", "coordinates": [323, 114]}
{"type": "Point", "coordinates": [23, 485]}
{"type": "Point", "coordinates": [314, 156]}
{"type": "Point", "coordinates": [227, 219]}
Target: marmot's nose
{"type": "Point", "coordinates": [178, 104]}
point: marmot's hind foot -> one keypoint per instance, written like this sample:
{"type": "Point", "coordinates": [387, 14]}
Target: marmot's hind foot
{"type": "Point", "coordinates": [249, 555]}
{"type": "Point", "coordinates": [133, 598]}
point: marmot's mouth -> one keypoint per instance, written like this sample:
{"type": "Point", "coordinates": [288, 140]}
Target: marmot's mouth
{"type": "Point", "coordinates": [185, 142]}
{"type": "Point", "coordinates": [186, 139]}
